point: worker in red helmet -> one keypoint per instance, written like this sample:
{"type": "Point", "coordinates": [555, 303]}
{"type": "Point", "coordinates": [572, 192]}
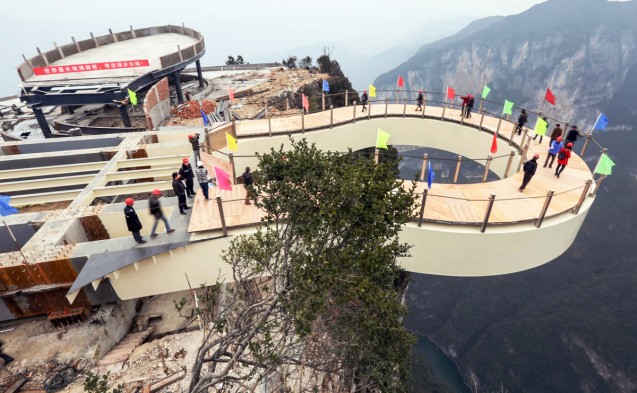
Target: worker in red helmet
{"type": "Point", "coordinates": [556, 146]}
{"type": "Point", "coordinates": [155, 211]}
{"type": "Point", "coordinates": [529, 170]}
{"type": "Point", "coordinates": [132, 221]}
{"type": "Point", "coordinates": [562, 158]}
{"type": "Point", "coordinates": [194, 142]}
{"type": "Point", "coordinates": [364, 99]}
{"type": "Point", "coordinates": [419, 100]}
{"type": "Point", "coordinates": [188, 176]}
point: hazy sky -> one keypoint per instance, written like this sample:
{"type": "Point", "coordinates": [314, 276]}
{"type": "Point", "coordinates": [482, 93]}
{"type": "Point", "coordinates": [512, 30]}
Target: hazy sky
{"type": "Point", "coordinates": [246, 27]}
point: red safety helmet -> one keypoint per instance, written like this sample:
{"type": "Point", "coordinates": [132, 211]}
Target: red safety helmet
{"type": "Point", "coordinates": [185, 160]}
{"type": "Point", "coordinates": [536, 155]}
{"type": "Point", "coordinates": [130, 201]}
{"type": "Point", "coordinates": [190, 136]}
{"type": "Point", "coordinates": [156, 192]}
{"type": "Point", "coordinates": [364, 91]}
{"type": "Point", "coordinates": [569, 144]}
{"type": "Point", "coordinates": [559, 139]}
{"type": "Point", "coordinates": [419, 91]}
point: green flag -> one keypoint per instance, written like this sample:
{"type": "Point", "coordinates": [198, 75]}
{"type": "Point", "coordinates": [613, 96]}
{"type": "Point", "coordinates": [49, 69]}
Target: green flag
{"type": "Point", "coordinates": [133, 97]}
{"type": "Point", "coordinates": [381, 139]}
{"type": "Point", "coordinates": [485, 91]}
{"type": "Point", "coordinates": [508, 108]}
{"type": "Point", "coordinates": [604, 166]}
{"type": "Point", "coordinates": [540, 127]}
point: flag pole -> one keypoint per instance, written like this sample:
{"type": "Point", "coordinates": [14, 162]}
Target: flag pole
{"type": "Point", "coordinates": [15, 241]}
{"type": "Point", "coordinates": [593, 127]}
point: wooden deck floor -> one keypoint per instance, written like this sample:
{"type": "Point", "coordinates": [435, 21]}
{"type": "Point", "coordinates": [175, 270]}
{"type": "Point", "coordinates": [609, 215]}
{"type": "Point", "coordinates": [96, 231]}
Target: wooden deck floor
{"type": "Point", "coordinates": [449, 203]}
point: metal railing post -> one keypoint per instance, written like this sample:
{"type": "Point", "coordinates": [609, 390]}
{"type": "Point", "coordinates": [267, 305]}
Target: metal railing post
{"type": "Point", "coordinates": [499, 124]}
{"type": "Point", "coordinates": [455, 176]}
{"type": "Point", "coordinates": [425, 158]}
{"type": "Point", "coordinates": [582, 197]}
{"type": "Point", "coordinates": [376, 155]}
{"type": "Point", "coordinates": [443, 112]}
{"type": "Point", "coordinates": [331, 116]}
{"type": "Point", "coordinates": [222, 217]}
{"type": "Point", "coordinates": [462, 118]}
{"type": "Point", "coordinates": [424, 105]}
{"type": "Point", "coordinates": [481, 120]}
{"type": "Point", "coordinates": [547, 201]}
{"type": "Point", "coordinates": [369, 109]}
{"type": "Point", "coordinates": [523, 157]}
{"type": "Point", "coordinates": [386, 105]}
{"type": "Point", "coordinates": [422, 207]}
{"type": "Point", "coordinates": [486, 168]}
{"type": "Point", "coordinates": [354, 113]}
{"type": "Point", "coordinates": [487, 214]}
{"type": "Point", "coordinates": [481, 103]}
{"type": "Point", "coordinates": [588, 139]}
{"type": "Point", "coordinates": [506, 171]}
{"type": "Point", "coordinates": [234, 172]}
{"type": "Point", "coordinates": [524, 135]}
{"type": "Point", "coordinates": [270, 126]}
{"type": "Point", "coordinates": [323, 101]}
{"type": "Point", "coordinates": [597, 184]}
{"type": "Point", "coordinates": [346, 97]}
{"type": "Point", "coordinates": [404, 109]}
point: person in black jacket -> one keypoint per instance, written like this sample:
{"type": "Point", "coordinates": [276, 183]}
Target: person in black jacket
{"type": "Point", "coordinates": [194, 141]}
{"type": "Point", "coordinates": [364, 99]}
{"type": "Point", "coordinates": [180, 192]}
{"type": "Point", "coordinates": [419, 100]}
{"type": "Point", "coordinates": [132, 221]}
{"type": "Point", "coordinates": [529, 170]}
{"type": "Point", "coordinates": [521, 122]}
{"type": "Point", "coordinates": [155, 211]}
{"type": "Point", "coordinates": [247, 182]}
{"type": "Point", "coordinates": [188, 175]}
{"type": "Point", "coordinates": [572, 135]}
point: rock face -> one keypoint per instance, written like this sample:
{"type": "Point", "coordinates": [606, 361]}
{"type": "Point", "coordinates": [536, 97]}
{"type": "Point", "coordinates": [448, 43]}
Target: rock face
{"type": "Point", "coordinates": [584, 50]}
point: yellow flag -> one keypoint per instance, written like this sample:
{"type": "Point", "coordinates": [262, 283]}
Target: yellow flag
{"type": "Point", "coordinates": [381, 139]}
{"type": "Point", "coordinates": [540, 127]}
{"type": "Point", "coordinates": [232, 142]}
{"type": "Point", "coordinates": [372, 91]}
{"type": "Point", "coordinates": [133, 97]}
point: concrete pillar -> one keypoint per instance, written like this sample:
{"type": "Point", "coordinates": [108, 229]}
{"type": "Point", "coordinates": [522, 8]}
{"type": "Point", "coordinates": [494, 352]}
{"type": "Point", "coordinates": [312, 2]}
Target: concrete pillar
{"type": "Point", "coordinates": [41, 119]}
{"type": "Point", "coordinates": [177, 84]}
{"type": "Point", "coordinates": [199, 74]}
{"type": "Point", "coordinates": [123, 112]}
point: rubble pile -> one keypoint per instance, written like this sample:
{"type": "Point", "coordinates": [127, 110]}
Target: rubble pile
{"type": "Point", "coordinates": [192, 109]}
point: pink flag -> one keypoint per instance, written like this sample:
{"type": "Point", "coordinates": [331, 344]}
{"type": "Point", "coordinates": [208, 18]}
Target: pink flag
{"type": "Point", "coordinates": [223, 179]}
{"type": "Point", "coordinates": [231, 93]}
{"type": "Point", "coordinates": [451, 93]}
{"type": "Point", "coordinates": [306, 102]}
{"type": "Point", "coordinates": [401, 81]}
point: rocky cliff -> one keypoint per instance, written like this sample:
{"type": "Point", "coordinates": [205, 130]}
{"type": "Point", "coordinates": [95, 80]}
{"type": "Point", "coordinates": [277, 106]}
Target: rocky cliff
{"type": "Point", "coordinates": [584, 50]}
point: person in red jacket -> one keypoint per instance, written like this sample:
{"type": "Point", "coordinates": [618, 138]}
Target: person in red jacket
{"type": "Point", "coordinates": [562, 158]}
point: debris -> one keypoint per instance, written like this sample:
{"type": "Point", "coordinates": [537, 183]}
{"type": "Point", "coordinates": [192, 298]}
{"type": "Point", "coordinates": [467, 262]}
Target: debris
{"type": "Point", "coordinates": [60, 378]}
{"type": "Point", "coordinates": [192, 109]}
{"type": "Point", "coordinates": [166, 381]}
{"type": "Point", "coordinates": [16, 385]}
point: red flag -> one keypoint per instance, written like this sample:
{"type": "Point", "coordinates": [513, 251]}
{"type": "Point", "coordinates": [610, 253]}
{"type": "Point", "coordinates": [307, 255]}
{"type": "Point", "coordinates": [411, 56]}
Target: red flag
{"type": "Point", "coordinates": [231, 94]}
{"type": "Point", "coordinates": [494, 144]}
{"type": "Point", "coordinates": [401, 81]}
{"type": "Point", "coordinates": [549, 96]}
{"type": "Point", "coordinates": [451, 93]}
{"type": "Point", "coordinates": [306, 102]}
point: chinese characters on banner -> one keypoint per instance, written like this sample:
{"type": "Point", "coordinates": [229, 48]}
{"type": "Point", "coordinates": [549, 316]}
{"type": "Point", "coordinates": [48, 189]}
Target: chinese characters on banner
{"type": "Point", "coordinates": [111, 65]}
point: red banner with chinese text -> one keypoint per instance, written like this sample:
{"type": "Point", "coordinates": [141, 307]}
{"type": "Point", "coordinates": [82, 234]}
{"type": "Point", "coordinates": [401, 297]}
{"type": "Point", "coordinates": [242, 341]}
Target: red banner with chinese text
{"type": "Point", "coordinates": [110, 65]}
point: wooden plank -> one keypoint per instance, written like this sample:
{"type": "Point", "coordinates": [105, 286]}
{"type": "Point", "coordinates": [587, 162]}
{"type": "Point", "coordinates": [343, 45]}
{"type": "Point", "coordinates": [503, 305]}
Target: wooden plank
{"type": "Point", "coordinates": [16, 385]}
{"type": "Point", "coordinates": [166, 381]}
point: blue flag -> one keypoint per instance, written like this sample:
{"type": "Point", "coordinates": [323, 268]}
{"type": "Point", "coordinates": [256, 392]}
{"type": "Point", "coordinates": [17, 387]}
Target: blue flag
{"type": "Point", "coordinates": [430, 176]}
{"type": "Point", "coordinates": [601, 123]}
{"type": "Point", "coordinates": [205, 118]}
{"type": "Point", "coordinates": [326, 86]}
{"type": "Point", "coordinates": [5, 208]}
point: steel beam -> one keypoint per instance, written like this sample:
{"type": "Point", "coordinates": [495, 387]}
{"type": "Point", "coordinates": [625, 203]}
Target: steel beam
{"type": "Point", "coordinates": [51, 170]}
{"type": "Point", "coordinates": [142, 173]}
{"type": "Point", "coordinates": [161, 160]}
{"type": "Point", "coordinates": [38, 184]}
{"type": "Point", "coordinates": [134, 188]}
{"type": "Point", "coordinates": [38, 199]}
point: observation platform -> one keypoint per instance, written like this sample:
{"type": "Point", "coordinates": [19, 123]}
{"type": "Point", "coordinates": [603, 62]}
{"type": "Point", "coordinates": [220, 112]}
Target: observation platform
{"type": "Point", "coordinates": [478, 229]}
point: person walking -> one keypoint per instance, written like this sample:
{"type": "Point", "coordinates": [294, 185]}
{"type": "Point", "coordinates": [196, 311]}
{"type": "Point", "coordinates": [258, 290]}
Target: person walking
{"type": "Point", "coordinates": [180, 192]}
{"type": "Point", "coordinates": [188, 176]}
{"type": "Point", "coordinates": [555, 148]}
{"type": "Point", "coordinates": [247, 182]}
{"type": "Point", "coordinates": [572, 135]}
{"type": "Point", "coordinates": [529, 170]}
{"type": "Point", "coordinates": [419, 100]}
{"type": "Point", "coordinates": [132, 221]}
{"type": "Point", "coordinates": [547, 127]}
{"type": "Point", "coordinates": [364, 99]}
{"type": "Point", "coordinates": [557, 132]}
{"type": "Point", "coordinates": [522, 120]}
{"type": "Point", "coordinates": [194, 141]}
{"type": "Point", "coordinates": [202, 178]}
{"type": "Point", "coordinates": [155, 211]}
{"type": "Point", "coordinates": [562, 158]}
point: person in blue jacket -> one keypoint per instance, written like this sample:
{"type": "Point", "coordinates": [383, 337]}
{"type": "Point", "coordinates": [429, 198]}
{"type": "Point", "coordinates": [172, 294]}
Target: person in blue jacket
{"type": "Point", "coordinates": [555, 148]}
